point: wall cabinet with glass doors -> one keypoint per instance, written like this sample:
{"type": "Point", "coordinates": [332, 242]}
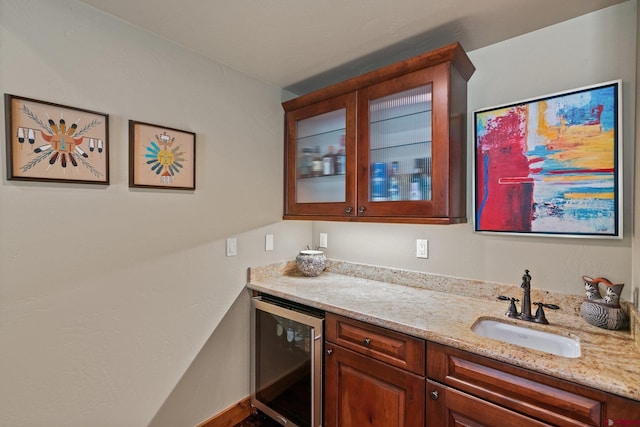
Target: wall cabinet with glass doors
{"type": "Point", "coordinates": [386, 146]}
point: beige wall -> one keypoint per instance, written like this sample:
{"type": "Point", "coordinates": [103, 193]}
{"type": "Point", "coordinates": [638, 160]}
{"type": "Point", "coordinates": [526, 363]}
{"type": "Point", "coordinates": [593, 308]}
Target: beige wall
{"type": "Point", "coordinates": [103, 314]}
{"type": "Point", "coordinates": [130, 314]}
{"type": "Point", "coordinates": [635, 257]}
{"type": "Point", "coordinates": [635, 260]}
{"type": "Point", "coordinates": [591, 49]}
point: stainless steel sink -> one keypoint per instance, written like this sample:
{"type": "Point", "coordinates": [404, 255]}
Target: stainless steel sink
{"type": "Point", "coordinates": [548, 342]}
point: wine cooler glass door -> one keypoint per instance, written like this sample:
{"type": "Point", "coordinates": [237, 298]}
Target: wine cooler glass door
{"type": "Point", "coordinates": [286, 369]}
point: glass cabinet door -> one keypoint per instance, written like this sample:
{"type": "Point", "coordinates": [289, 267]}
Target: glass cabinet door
{"type": "Point", "coordinates": [400, 146]}
{"type": "Point", "coordinates": [319, 145]}
{"type": "Point", "coordinates": [321, 158]}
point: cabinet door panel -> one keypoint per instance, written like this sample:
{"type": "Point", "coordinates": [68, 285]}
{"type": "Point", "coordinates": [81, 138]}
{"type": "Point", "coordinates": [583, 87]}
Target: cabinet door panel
{"type": "Point", "coordinates": [449, 407]}
{"type": "Point", "coordinates": [361, 392]}
{"type": "Point", "coordinates": [406, 133]}
{"type": "Point", "coordinates": [319, 154]}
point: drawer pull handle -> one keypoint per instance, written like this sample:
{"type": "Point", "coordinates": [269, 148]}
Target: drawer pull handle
{"type": "Point", "coordinates": [435, 395]}
{"type": "Point", "coordinates": [367, 341]}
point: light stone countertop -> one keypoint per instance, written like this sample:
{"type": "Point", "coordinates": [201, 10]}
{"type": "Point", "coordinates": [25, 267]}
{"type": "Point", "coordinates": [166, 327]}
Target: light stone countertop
{"type": "Point", "coordinates": [443, 309]}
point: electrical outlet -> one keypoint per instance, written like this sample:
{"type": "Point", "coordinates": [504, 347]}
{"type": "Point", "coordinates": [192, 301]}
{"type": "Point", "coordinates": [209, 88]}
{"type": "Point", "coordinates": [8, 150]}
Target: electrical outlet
{"type": "Point", "coordinates": [232, 246]}
{"type": "Point", "coordinates": [323, 240]}
{"type": "Point", "coordinates": [422, 248]}
{"type": "Point", "coordinates": [268, 242]}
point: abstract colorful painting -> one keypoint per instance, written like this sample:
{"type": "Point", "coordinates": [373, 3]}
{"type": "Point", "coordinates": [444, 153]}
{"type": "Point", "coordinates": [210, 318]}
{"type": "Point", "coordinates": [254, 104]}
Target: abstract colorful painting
{"type": "Point", "coordinates": [161, 157]}
{"type": "Point", "coordinates": [551, 166]}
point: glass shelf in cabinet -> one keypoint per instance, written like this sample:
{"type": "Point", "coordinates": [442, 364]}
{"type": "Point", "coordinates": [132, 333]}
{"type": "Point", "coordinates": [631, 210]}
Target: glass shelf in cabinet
{"type": "Point", "coordinates": [315, 135]}
{"type": "Point", "coordinates": [321, 177]}
{"type": "Point", "coordinates": [402, 116]}
{"type": "Point", "coordinates": [398, 146]}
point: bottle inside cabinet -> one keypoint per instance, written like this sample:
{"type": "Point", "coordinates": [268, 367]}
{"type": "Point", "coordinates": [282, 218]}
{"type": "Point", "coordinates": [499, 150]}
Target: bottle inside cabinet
{"type": "Point", "coordinates": [320, 177]}
{"type": "Point", "coordinates": [400, 138]}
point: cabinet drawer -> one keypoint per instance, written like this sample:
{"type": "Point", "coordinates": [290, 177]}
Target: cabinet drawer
{"type": "Point", "coordinates": [545, 398]}
{"type": "Point", "coordinates": [449, 407]}
{"type": "Point", "coordinates": [395, 348]}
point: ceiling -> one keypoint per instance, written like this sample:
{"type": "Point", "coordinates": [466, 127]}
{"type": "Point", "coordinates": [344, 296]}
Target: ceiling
{"type": "Point", "coordinates": [302, 45]}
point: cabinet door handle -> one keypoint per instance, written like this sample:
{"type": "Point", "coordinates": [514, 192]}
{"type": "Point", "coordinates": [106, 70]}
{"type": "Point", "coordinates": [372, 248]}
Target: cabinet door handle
{"type": "Point", "coordinates": [367, 341]}
{"type": "Point", "coordinates": [348, 210]}
{"type": "Point", "coordinates": [435, 395]}
{"type": "Point", "coordinates": [361, 209]}
{"type": "Point", "coordinates": [329, 351]}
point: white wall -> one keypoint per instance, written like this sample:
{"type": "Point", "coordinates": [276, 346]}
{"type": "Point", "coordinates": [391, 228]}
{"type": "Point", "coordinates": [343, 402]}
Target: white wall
{"type": "Point", "coordinates": [102, 315]}
{"type": "Point", "coordinates": [590, 49]}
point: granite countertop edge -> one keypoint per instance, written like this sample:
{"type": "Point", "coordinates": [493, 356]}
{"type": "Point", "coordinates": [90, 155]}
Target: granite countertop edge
{"type": "Point", "coordinates": [443, 309]}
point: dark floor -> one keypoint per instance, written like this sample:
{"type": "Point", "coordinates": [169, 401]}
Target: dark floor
{"type": "Point", "coordinates": [259, 420]}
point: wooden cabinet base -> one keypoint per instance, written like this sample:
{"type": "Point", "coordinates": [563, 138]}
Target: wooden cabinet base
{"type": "Point", "coordinates": [488, 384]}
{"type": "Point", "coordinates": [363, 392]}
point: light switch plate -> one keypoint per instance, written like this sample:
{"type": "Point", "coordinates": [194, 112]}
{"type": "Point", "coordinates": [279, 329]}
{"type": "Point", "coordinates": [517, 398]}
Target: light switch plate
{"type": "Point", "coordinates": [323, 240]}
{"type": "Point", "coordinates": [232, 246]}
{"type": "Point", "coordinates": [268, 242]}
{"type": "Point", "coordinates": [422, 248]}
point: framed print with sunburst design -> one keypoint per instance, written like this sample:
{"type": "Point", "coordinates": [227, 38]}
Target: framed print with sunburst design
{"type": "Point", "coordinates": [161, 157]}
{"type": "Point", "coordinates": [53, 142]}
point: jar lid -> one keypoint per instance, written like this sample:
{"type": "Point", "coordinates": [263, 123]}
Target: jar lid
{"type": "Point", "coordinates": [311, 252]}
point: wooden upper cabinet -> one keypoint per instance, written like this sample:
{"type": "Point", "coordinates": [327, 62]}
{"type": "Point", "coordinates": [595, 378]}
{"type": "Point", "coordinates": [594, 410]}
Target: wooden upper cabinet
{"type": "Point", "coordinates": [386, 146]}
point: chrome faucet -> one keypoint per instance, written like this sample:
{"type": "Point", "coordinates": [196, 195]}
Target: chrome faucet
{"type": "Point", "coordinates": [525, 307]}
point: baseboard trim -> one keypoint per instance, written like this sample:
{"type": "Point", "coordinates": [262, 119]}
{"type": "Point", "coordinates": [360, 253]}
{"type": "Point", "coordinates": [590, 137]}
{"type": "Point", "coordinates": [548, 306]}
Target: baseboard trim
{"type": "Point", "coordinates": [230, 416]}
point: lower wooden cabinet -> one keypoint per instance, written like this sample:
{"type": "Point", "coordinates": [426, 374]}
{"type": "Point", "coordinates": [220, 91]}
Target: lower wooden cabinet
{"type": "Point", "coordinates": [360, 391]}
{"type": "Point", "coordinates": [472, 390]}
{"type": "Point", "coordinates": [374, 377]}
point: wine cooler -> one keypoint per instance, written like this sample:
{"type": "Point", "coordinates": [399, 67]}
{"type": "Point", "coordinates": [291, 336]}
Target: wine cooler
{"type": "Point", "coordinates": [286, 361]}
